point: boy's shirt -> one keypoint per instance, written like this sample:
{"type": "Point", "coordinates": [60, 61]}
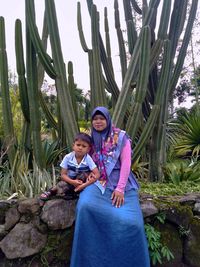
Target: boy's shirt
{"type": "Point", "coordinates": [69, 163]}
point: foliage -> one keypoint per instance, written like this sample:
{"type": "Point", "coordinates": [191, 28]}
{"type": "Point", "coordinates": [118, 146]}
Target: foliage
{"type": "Point", "coordinates": [168, 189]}
{"type": "Point", "coordinates": [183, 231]}
{"type": "Point", "coordinates": [1, 122]}
{"type": "Point", "coordinates": [161, 216]}
{"type": "Point", "coordinates": [186, 133]}
{"type": "Point", "coordinates": [21, 181]}
{"type": "Point", "coordinates": [182, 170]}
{"type": "Point", "coordinates": [84, 125]}
{"type": "Point", "coordinates": [51, 153]}
{"type": "Point", "coordinates": [16, 113]}
{"type": "Point", "coordinates": [156, 249]}
{"type": "Point", "coordinates": [140, 169]}
{"type": "Point", "coordinates": [195, 81]}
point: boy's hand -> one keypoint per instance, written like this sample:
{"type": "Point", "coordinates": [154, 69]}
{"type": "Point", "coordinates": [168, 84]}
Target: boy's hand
{"type": "Point", "coordinates": [117, 199]}
{"type": "Point", "coordinates": [90, 180]}
{"type": "Point", "coordinates": [76, 182]}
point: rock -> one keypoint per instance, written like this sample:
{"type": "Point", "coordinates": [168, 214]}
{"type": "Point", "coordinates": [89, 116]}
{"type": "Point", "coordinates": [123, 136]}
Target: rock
{"type": "Point", "coordinates": [29, 206]}
{"type": "Point", "coordinates": [59, 213]}
{"type": "Point", "coordinates": [22, 241]}
{"type": "Point", "coordinates": [3, 231]}
{"type": "Point", "coordinates": [58, 246]}
{"type": "Point", "coordinates": [4, 206]}
{"type": "Point", "coordinates": [11, 218]}
{"type": "Point", "coordinates": [170, 237]}
{"type": "Point", "coordinates": [188, 199]}
{"type": "Point", "coordinates": [148, 209]}
{"type": "Point", "coordinates": [41, 226]}
{"type": "Point", "coordinates": [192, 244]}
{"type": "Point", "coordinates": [197, 208]}
{"type": "Point", "coordinates": [180, 215]}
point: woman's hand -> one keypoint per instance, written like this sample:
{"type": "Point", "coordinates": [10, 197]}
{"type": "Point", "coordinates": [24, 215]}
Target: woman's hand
{"type": "Point", "coordinates": [80, 187]}
{"type": "Point", "coordinates": [117, 199]}
{"type": "Point", "coordinates": [91, 178]}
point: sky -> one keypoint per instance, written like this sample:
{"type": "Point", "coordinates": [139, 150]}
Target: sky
{"type": "Point", "coordinates": [67, 22]}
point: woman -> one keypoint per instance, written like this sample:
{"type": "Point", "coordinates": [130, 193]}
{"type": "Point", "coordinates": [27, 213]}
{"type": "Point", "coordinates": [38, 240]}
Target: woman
{"type": "Point", "coordinates": [109, 229]}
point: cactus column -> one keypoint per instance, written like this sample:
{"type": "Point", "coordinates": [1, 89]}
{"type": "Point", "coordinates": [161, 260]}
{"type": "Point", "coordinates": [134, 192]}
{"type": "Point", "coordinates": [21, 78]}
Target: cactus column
{"type": "Point", "coordinates": [33, 97]}
{"type": "Point", "coordinates": [66, 107]}
{"type": "Point", "coordinates": [10, 140]}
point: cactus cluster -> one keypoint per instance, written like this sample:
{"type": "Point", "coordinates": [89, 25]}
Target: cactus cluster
{"type": "Point", "coordinates": [140, 104]}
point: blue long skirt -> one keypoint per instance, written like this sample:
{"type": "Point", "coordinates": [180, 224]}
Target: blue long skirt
{"type": "Point", "coordinates": [106, 236]}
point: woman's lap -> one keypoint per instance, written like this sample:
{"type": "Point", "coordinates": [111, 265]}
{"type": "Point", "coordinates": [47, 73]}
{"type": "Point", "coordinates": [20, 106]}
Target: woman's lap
{"type": "Point", "coordinates": [106, 235]}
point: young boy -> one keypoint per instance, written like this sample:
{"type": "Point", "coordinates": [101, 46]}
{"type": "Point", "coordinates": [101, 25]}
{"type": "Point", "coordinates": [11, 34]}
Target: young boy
{"type": "Point", "coordinates": [78, 170]}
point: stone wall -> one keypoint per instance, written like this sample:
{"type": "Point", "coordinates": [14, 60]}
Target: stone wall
{"type": "Point", "coordinates": [38, 235]}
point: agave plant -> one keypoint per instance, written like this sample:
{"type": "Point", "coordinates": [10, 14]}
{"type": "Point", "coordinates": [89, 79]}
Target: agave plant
{"type": "Point", "coordinates": [20, 180]}
{"type": "Point", "coordinates": [187, 141]}
{"type": "Point", "coordinates": [182, 170]}
{"type": "Point", "coordinates": [51, 153]}
{"type": "Point", "coordinates": [140, 169]}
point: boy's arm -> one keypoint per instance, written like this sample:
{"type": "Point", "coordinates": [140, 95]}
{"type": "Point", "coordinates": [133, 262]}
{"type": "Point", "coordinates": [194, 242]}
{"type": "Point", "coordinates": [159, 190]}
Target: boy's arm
{"type": "Point", "coordinates": [92, 178]}
{"type": "Point", "coordinates": [68, 180]}
{"type": "Point", "coordinates": [95, 174]}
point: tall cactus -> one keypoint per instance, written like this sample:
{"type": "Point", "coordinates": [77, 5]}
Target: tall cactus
{"type": "Point", "coordinates": [122, 50]}
{"type": "Point", "coordinates": [66, 107]}
{"type": "Point", "coordinates": [33, 95]}
{"type": "Point", "coordinates": [97, 91]}
{"type": "Point", "coordinates": [72, 87]}
{"type": "Point", "coordinates": [49, 116]}
{"type": "Point", "coordinates": [158, 145]}
{"type": "Point", "coordinates": [107, 38]}
{"type": "Point", "coordinates": [158, 103]}
{"type": "Point", "coordinates": [111, 83]}
{"type": "Point", "coordinates": [10, 139]}
{"type": "Point", "coordinates": [19, 51]}
{"type": "Point", "coordinates": [131, 31]}
{"type": "Point", "coordinates": [45, 59]}
{"type": "Point", "coordinates": [141, 87]}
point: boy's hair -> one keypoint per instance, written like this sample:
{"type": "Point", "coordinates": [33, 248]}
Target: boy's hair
{"type": "Point", "coordinates": [83, 137]}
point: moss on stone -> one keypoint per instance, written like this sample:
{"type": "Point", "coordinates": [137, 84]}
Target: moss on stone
{"type": "Point", "coordinates": [58, 246]}
{"type": "Point", "coordinates": [192, 244]}
{"type": "Point", "coordinates": [171, 239]}
{"type": "Point", "coordinates": [175, 212]}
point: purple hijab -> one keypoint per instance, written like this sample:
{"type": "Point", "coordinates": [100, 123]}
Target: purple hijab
{"type": "Point", "coordinates": [98, 137]}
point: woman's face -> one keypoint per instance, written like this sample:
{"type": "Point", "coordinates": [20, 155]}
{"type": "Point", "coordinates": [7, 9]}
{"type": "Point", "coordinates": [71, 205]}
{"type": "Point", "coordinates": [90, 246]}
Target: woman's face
{"type": "Point", "coordinates": [99, 122]}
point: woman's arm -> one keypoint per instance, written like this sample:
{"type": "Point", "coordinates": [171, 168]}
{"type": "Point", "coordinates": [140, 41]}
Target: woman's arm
{"type": "Point", "coordinates": [125, 158]}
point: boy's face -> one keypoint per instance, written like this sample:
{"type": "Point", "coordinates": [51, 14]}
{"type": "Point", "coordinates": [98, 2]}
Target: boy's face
{"type": "Point", "coordinates": [81, 148]}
